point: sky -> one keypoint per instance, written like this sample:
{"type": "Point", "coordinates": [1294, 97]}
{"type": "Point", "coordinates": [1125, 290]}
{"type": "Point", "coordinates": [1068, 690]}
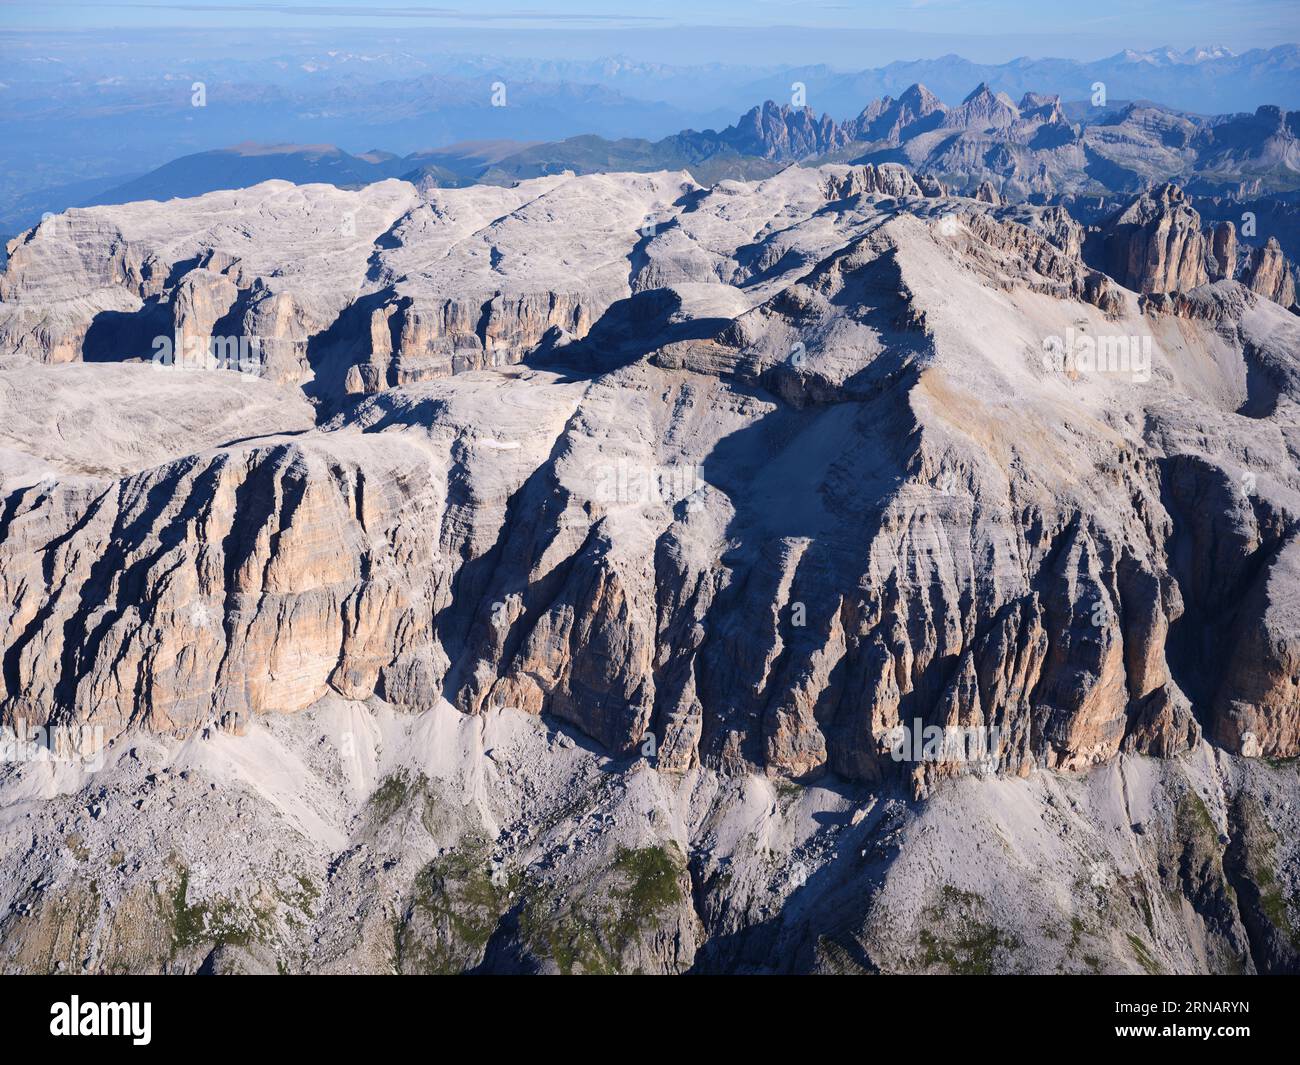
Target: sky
{"type": "Point", "coordinates": [840, 32]}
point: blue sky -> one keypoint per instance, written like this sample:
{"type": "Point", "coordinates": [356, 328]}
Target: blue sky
{"type": "Point", "coordinates": [1202, 19]}
{"type": "Point", "coordinates": [988, 30]}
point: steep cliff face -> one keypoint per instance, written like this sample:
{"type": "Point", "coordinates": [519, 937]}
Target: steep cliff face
{"type": "Point", "coordinates": [818, 479]}
{"type": "Point", "coordinates": [885, 180]}
{"type": "Point", "coordinates": [778, 131]}
{"type": "Point", "coordinates": [1156, 244]}
{"type": "Point", "coordinates": [859, 474]}
{"type": "Point", "coordinates": [1223, 251]}
{"type": "Point", "coordinates": [1268, 272]}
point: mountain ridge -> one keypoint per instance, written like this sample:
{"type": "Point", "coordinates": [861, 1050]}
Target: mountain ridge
{"type": "Point", "coordinates": [772, 132]}
{"type": "Point", "coordinates": [519, 572]}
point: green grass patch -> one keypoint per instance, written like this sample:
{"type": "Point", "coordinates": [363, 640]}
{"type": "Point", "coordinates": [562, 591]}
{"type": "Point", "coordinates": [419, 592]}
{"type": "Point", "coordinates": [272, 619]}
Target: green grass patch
{"type": "Point", "coordinates": [570, 938]}
{"type": "Point", "coordinates": [394, 792]}
{"type": "Point", "coordinates": [1261, 865]}
{"type": "Point", "coordinates": [1143, 954]}
{"type": "Point", "coordinates": [1194, 817]}
{"type": "Point", "coordinates": [455, 906]}
{"type": "Point", "coordinates": [219, 921]}
{"type": "Point", "coordinates": [654, 887]}
{"type": "Point", "coordinates": [958, 940]}
{"type": "Point", "coordinates": [594, 936]}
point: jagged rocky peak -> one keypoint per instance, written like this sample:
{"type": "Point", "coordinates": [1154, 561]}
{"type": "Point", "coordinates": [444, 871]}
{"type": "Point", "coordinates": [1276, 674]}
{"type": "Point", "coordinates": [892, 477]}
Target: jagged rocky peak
{"type": "Point", "coordinates": [1156, 203]}
{"type": "Point", "coordinates": [779, 131]}
{"type": "Point", "coordinates": [1043, 124]}
{"type": "Point", "coordinates": [931, 185]}
{"type": "Point", "coordinates": [1268, 272]}
{"type": "Point", "coordinates": [1041, 104]}
{"type": "Point", "coordinates": [919, 100]}
{"type": "Point", "coordinates": [916, 111]}
{"type": "Point", "coordinates": [983, 109]}
{"type": "Point", "coordinates": [1156, 244]}
{"type": "Point", "coordinates": [1276, 126]}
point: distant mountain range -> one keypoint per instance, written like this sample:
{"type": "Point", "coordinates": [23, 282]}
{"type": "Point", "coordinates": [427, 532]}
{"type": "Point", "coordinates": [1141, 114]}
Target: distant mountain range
{"type": "Point", "coordinates": [1207, 80]}
{"type": "Point", "coordinates": [1033, 149]}
{"type": "Point", "coordinates": [115, 129]}
{"type": "Point", "coordinates": [125, 110]}
{"type": "Point", "coordinates": [250, 163]}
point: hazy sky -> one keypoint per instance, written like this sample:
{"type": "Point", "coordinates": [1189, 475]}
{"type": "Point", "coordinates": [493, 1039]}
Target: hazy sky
{"type": "Point", "coordinates": [836, 31]}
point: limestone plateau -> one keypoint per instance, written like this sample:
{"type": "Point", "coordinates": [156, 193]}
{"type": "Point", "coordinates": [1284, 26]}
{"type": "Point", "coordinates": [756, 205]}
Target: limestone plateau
{"type": "Point", "coordinates": [552, 595]}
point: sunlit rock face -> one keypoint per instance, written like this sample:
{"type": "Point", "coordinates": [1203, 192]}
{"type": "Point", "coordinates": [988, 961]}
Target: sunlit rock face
{"type": "Point", "coordinates": [615, 574]}
{"type": "Point", "coordinates": [762, 472]}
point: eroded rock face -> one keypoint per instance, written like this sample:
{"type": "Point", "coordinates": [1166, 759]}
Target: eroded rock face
{"type": "Point", "coordinates": [1156, 244]}
{"type": "Point", "coordinates": [1267, 272]}
{"type": "Point", "coordinates": [201, 300]}
{"type": "Point", "coordinates": [885, 180]}
{"type": "Point", "coordinates": [778, 131]}
{"type": "Point", "coordinates": [931, 185]}
{"type": "Point", "coordinates": [1223, 251]}
{"type": "Point", "coordinates": [828, 489]}
{"type": "Point", "coordinates": [815, 479]}
{"type": "Point", "coordinates": [1259, 700]}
